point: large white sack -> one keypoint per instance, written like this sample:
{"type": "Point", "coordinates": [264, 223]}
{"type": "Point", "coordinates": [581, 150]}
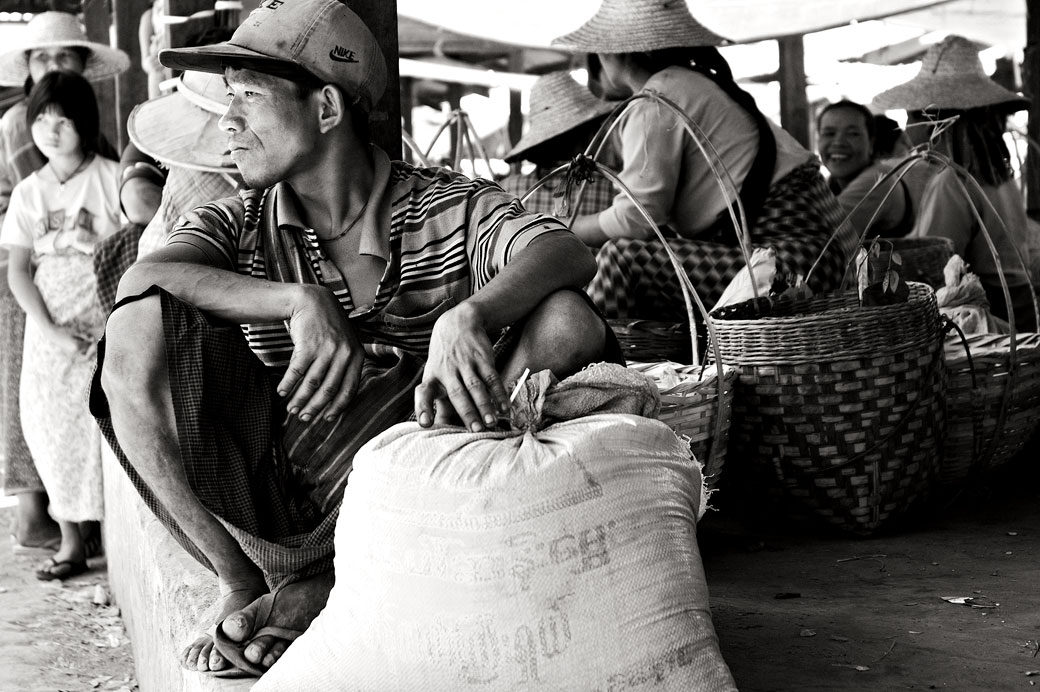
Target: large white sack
{"type": "Point", "coordinates": [559, 560]}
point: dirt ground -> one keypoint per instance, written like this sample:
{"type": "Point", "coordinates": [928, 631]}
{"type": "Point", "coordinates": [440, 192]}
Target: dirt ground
{"type": "Point", "coordinates": [53, 636]}
{"type": "Point", "coordinates": [799, 609]}
{"type": "Point", "coordinates": [795, 608]}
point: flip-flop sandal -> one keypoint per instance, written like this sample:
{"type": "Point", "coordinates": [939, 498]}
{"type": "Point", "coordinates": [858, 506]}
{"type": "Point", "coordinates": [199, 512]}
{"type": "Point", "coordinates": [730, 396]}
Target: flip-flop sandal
{"type": "Point", "coordinates": [53, 571]}
{"type": "Point", "coordinates": [48, 547]}
{"type": "Point", "coordinates": [234, 652]}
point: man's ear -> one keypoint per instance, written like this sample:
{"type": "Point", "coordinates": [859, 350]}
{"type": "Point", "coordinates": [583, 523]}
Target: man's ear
{"type": "Point", "coordinates": [332, 108]}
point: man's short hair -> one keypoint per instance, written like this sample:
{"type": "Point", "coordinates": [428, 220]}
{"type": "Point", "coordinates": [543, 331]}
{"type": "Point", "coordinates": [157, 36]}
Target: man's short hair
{"type": "Point", "coordinates": [313, 42]}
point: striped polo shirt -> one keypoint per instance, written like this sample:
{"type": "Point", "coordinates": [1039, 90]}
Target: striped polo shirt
{"type": "Point", "coordinates": [441, 235]}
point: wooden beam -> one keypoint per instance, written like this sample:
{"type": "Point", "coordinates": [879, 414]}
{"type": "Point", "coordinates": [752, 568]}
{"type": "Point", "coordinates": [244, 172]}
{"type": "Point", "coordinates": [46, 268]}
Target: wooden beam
{"type": "Point", "coordinates": [97, 20]}
{"type": "Point", "coordinates": [132, 85]}
{"type": "Point", "coordinates": [794, 103]}
{"type": "Point", "coordinates": [1031, 87]}
{"type": "Point", "coordinates": [385, 119]}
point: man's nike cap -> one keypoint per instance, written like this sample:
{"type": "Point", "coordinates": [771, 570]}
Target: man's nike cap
{"type": "Point", "coordinates": [308, 41]}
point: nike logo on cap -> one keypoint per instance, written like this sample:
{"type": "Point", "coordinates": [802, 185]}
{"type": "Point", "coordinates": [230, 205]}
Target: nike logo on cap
{"type": "Point", "coordinates": [341, 54]}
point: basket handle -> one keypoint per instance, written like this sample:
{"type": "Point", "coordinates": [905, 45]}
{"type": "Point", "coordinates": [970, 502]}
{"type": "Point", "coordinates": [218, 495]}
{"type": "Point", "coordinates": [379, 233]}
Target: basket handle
{"type": "Point", "coordinates": [897, 172]}
{"type": "Point", "coordinates": [466, 141]}
{"type": "Point", "coordinates": [690, 295]}
{"type": "Point", "coordinates": [413, 147]}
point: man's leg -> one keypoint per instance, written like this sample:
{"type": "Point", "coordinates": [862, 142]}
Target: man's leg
{"type": "Point", "coordinates": [563, 334]}
{"type": "Point", "coordinates": [135, 379]}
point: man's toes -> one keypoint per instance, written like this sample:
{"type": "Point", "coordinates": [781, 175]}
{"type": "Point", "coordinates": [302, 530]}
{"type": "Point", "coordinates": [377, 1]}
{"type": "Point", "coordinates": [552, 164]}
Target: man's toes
{"type": "Point", "coordinates": [190, 655]}
{"type": "Point", "coordinates": [275, 652]}
{"type": "Point", "coordinates": [216, 661]}
{"type": "Point", "coordinates": [257, 650]}
{"type": "Point", "coordinates": [237, 626]}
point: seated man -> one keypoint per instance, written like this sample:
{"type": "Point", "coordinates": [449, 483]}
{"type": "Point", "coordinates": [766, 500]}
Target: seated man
{"type": "Point", "coordinates": [368, 290]}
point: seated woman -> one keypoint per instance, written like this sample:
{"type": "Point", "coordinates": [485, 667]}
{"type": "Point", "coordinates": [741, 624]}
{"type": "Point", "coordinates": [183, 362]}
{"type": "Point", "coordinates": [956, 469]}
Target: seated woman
{"type": "Point", "coordinates": [846, 141]}
{"type": "Point", "coordinates": [660, 48]}
{"type": "Point", "coordinates": [954, 107]}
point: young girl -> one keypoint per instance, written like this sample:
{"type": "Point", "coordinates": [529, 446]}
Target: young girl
{"type": "Point", "coordinates": [56, 216]}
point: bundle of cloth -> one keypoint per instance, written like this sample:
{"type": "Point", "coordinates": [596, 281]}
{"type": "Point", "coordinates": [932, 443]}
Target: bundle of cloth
{"type": "Point", "coordinates": [963, 300]}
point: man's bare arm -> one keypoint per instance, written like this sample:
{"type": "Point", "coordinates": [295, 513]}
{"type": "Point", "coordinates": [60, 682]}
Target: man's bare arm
{"type": "Point", "coordinates": [461, 365]}
{"type": "Point", "coordinates": [325, 367]}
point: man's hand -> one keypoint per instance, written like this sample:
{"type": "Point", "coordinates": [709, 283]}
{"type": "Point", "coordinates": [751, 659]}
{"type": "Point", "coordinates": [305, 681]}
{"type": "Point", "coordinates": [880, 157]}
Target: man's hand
{"type": "Point", "coordinates": [325, 369]}
{"type": "Point", "coordinates": [460, 373]}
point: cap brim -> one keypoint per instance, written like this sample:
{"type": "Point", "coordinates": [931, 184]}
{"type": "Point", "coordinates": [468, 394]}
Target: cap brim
{"type": "Point", "coordinates": [177, 133]}
{"type": "Point", "coordinates": [215, 58]}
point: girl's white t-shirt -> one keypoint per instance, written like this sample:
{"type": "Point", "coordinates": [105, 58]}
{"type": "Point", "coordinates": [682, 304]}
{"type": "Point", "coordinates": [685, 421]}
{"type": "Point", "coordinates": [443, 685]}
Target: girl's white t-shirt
{"type": "Point", "coordinates": [49, 216]}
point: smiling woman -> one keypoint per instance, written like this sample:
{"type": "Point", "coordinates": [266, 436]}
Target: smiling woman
{"type": "Point", "coordinates": [845, 142]}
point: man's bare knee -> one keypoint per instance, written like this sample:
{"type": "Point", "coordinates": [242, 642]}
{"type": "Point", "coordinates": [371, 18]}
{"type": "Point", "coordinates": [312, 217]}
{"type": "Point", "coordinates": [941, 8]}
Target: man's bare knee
{"type": "Point", "coordinates": [134, 348]}
{"type": "Point", "coordinates": [562, 334]}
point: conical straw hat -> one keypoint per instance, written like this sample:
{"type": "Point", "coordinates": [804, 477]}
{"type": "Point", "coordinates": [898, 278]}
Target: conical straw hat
{"type": "Point", "coordinates": [558, 105]}
{"type": "Point", "coordinates": [55, 30]}
{"type": "Point", "coordinates": [634, 26]}
{"type": "Point", "coordinates": [951, 77]}
{"type": "Point", "coordinates": [181, 129]}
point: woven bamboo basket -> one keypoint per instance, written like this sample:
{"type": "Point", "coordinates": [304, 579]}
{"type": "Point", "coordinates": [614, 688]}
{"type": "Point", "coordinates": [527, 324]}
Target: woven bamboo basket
{"type": "Point", "coordinates": [693, 407]}
{"type": "Point", "coordinates": [923, 258]}
{"type": "Point", "coordinates": [842, 402]}
{"type": "Point", "coordinates": [992, 402]}
{"type": "Point", "coordinates": [652, 340]}
{"type": "Point", "coordinates": [993, 391]}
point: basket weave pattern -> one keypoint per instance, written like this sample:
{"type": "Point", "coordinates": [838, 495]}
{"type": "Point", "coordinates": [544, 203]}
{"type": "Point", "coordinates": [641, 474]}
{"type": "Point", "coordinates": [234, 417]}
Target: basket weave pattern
{"type": "Point", "coordinates": [690, 409]}
{"type": "Point", "coordinates": [842, 403]}
{"type": "Point", "coordinates": [979, 440]}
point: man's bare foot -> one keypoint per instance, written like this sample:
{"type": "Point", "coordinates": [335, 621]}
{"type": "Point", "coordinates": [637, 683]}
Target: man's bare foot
{"type": "Point", "coordinates": [200, 654]}
{"type": "Point", "coordinates": [292, 609]}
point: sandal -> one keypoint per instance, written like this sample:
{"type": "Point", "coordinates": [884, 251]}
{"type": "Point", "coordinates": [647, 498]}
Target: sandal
{"type": "Point", "coordinates": [234, 652]}
{"type": "Point", "coordinates": [60, 570]}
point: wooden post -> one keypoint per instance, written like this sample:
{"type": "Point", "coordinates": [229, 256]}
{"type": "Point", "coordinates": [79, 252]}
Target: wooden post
{"type": "Point", "coordinates": [97, 20]}
{"type": "Point", "coordinates": [794, 104]}
{"type": "Point", "coordinates": [1031, 87]}
{"type": "Point", "coordinates": [407, 106]}
{"type": "Point", "coordinates": [385, 119]}
{"type": "Point", "coordinates": [516, 115]}
{"type": "Point", "coordinates": [132, 85]}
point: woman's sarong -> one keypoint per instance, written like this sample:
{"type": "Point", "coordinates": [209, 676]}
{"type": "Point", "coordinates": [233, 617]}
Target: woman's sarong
{"type": "Point", "coordinates": [61, 434]}
{"type": "Point", "coordinates": [636, 279]}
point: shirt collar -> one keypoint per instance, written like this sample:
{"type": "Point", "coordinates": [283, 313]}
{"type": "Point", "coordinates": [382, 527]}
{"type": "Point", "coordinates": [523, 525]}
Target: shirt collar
{"type": "Point", "coordinates": [374, 225]}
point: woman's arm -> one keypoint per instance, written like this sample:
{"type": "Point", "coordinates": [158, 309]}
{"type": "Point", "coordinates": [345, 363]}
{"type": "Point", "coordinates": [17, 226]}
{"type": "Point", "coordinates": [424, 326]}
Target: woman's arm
{"type": "Point", "coordinates": [19, 277]}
